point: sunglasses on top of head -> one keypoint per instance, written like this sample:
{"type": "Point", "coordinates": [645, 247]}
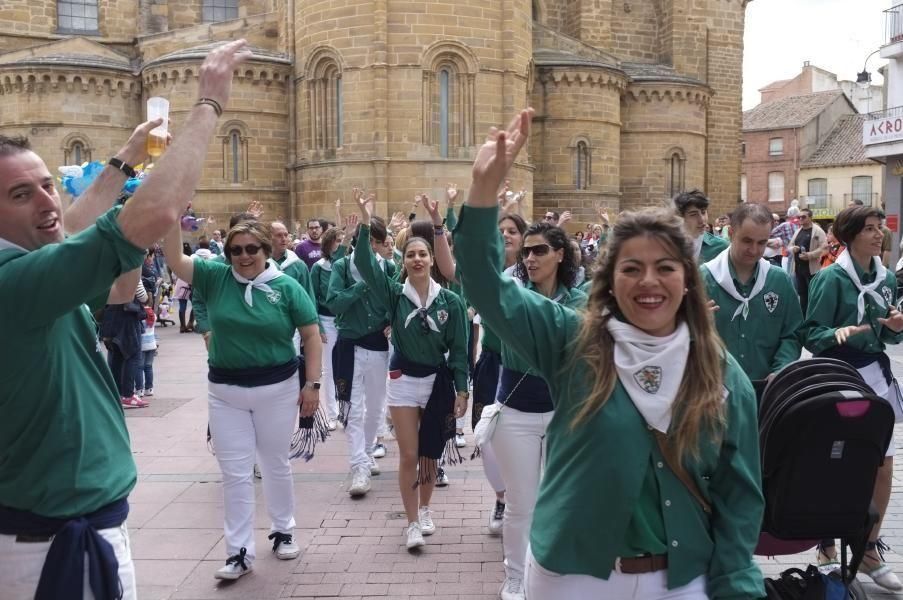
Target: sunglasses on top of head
{"type": "Point", "coordinates": [537, 250]}
{"type": "Point", "coordinates": [250, 250]}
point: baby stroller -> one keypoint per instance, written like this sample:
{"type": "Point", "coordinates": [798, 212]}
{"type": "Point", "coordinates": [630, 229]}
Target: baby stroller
{"type": "Point", "coordinates": [822, 434]}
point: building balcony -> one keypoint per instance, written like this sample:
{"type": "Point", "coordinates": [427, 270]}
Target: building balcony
{"type": "Point", "coordinates": [868, 199]}
{"type": "Point", "coordinates": [817, 201]}
{"type": "Point", "coordinates": [893, 25]}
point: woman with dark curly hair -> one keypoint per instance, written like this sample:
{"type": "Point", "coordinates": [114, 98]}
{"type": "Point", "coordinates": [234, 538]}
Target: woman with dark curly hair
{"type": "Point", "coordinates": [547, 266]}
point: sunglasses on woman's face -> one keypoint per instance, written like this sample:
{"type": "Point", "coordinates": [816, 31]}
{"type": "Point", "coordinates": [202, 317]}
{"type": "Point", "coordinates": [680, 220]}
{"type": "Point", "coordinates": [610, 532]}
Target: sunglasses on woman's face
{"type": "Point", "coordinates": [250, 250]}
{"type": "Point", "coordinates": [537, 250]}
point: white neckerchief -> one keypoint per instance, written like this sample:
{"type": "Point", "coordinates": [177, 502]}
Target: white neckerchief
{"type": "Point", "coordinates": [845, 261]}
{"type": "Point", "coordinates": [290, 258]}
{"type": "Point", "coordinates": [411, 294]}
{"type": "Point", "coordinates": [325, 264]}
{"type": "Point", "coordinates": [259, 282]}
{"type": "Point", "coordinates": [352, 268]}
{"type": "Point", "coordinates": [721, 272]}
{"type": "Point", "coordinates": [650, 368]}
{"type": "Point", "coordinates": [697, 246]}
{"type": "Point", "coordinates": [8, 245]}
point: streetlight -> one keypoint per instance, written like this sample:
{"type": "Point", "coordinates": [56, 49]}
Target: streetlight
{"type": "Point", "coordinates": [864, 79]}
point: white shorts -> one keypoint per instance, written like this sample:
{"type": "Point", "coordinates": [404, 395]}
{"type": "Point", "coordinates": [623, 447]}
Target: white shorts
{"type": "Point", "coordinates": [874, 377]}
{"type": "Point", "coordinates": [412, 392]}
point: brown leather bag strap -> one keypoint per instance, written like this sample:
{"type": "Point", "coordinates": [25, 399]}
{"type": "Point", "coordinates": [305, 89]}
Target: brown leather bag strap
{"type": "Point", "coordinates": [679, 471]}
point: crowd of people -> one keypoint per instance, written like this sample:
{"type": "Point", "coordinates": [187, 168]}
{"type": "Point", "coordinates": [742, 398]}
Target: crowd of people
{"type": "Point", "coordinates": [614, 371]}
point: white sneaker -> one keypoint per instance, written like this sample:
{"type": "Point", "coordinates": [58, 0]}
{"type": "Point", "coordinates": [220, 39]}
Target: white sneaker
{"type": "Point", "coordinates": [284, 545]}
{"type": "Point", "coordinates": [236, 566]}
{"type": "Point", "coordinates": [497, 518]}
{"type": "Point", "coordinates": [460, 442]}
{"type": "Point", "coordinates": [427, 527]}
{"type": "Point", "coordinates": [332, 424]}
{"type": "Point", "coordinates": [441, 478]}
{"type": "Point", "coordinates": [374, 466]}
{"type": "Point", "coordinates": [379, 450]}
{"type": "Point", "coordinates": [360, 481]}
{"type": "Point", "coordinates": [512, 589]}
{"type": "Point", "coordinates": [414, 536]}
{"type": "Point", "coordinates": [139, 393]}
{"type": "Point", "coordinates": [149, 392]}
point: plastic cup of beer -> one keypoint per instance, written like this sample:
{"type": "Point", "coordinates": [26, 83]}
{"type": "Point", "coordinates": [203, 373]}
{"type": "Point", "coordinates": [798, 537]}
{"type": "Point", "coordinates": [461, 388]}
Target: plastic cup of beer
{"type": "Point", "coordinates": [157, 108]}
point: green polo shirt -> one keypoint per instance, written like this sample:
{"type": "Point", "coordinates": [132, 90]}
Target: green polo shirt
{"type": "Point", "coordinates": [595, 472]}
{"type": "Point", "coordinates": [766, 341]}
{"type": "Point", "coordinates": [832, 304]}
{"type": "Point", "coordinates": [358, 312]}
{"type": "Point", "coordinates": [297, 270]}
{"type": "Point", "coordinates": [712, 245]}
{"type": "Point", "coordinates": [414, 343]}
{"type": "Point", "coordinates": [65, 446]}
{"type": "Point", "coordinates": [319, 278]}
{"type": "Point", "coordinates": [199, 305]}
{"type": "Point", "coordinates": [251, 336]}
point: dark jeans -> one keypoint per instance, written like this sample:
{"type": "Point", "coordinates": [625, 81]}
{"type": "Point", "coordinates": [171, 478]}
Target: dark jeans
{"type": "Point", "coordinates": [802, 288]}
{"type": "Point", "coordinates": [144, 370]}
{"type": "Point", "coordinates": [123, 370]}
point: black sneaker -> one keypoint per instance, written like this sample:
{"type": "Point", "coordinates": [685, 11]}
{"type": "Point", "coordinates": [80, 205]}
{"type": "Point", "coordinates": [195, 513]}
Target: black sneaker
{"type": "Point", "coordinates": [497, 518]}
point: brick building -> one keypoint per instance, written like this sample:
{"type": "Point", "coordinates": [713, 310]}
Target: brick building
{"type": "Point", "coordinates": [778, 136]}
{"type": "Point", "coordinates": [635, 100]}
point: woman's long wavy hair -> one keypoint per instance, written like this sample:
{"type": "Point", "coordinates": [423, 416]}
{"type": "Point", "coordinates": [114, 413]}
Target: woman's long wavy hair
{"type": "Point", "coordinates": [557, 238]}
{"type": "Point", "coordinates": [699, 406]}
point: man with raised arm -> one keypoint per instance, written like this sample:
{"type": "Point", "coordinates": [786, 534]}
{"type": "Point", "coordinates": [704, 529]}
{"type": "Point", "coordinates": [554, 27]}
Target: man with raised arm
{"type": "Point", "coordinates": [66, 469]}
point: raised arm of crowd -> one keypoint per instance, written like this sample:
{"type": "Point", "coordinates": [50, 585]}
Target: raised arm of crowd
{"type": "Point", "coordinates": [615, 389]}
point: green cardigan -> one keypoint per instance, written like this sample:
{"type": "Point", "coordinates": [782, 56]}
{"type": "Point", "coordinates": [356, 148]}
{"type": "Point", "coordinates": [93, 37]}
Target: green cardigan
{"type": "Point", "coordinates": [594, 472]}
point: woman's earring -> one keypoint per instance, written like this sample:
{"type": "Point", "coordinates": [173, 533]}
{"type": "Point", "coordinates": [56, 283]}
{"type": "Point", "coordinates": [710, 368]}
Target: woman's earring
{"type": "Point", "coordinates": [686, 291]}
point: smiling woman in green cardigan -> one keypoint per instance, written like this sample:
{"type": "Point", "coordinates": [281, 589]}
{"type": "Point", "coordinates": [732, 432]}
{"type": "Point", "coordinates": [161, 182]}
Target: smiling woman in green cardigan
{"type": "Point", "coordinates": [642, 386]}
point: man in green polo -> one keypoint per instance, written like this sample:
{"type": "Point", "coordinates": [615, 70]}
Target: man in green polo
{"type": "Point", "coordinates": [758, 312]}
{"type": "Point", "coordinates": [66, 468]}
{"type": "Point", "coordinates": [693, 208]}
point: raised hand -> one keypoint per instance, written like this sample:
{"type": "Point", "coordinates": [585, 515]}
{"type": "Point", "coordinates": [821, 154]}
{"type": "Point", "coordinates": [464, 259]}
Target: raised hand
{"type": "Point", "coordinates": [363, 205]}
{"type": "Point", "coordinates": [564, 218]}
{"type": "Point", "coordinates": [451, 193]}
{"type": "Point", "coordinates": [398, 222]}
{"type": "Point", "coordinates": [495, 158]}
{"type": "Point", "coordinates": [350, 222]}
{"type": "Point", "coordinates": [432, 208]}
{"type": "Point", "coordinates": [215, 77]}
{"type": "Point", "coordinates": [255, 208]}
{"type": "Point", "coordinates": [134, 152]}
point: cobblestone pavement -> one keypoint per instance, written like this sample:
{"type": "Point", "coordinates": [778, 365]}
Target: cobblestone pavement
{"type": "Point", "coordinates": [350, 548]}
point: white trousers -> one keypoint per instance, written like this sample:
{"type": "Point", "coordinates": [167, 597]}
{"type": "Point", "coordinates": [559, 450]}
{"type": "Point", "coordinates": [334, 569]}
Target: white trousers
{"type": "Point", "coordinates": [519, 446]}
{"type": "Point", "coordinates": [874, 377]}
{"type": "Point", "coordinates": [23, 562]}
{"type": "Point", "coordinates": [542, 584]}
{"type": "Point", "coordinates": [327, 390]}
{"type": "Point", "coordinates": [491, 468]}
{"type": "Point", "coordinates": [368, 404]}
{"type": "Point", "coordinates": [243, 420]}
